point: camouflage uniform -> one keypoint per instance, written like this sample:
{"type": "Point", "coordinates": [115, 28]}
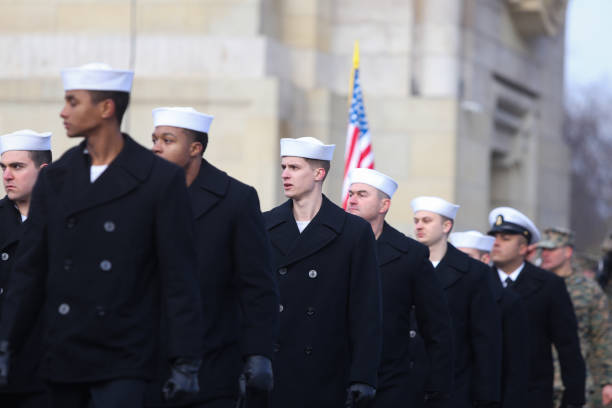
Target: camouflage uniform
{"type": "Point", "coordinates": [593, 316]}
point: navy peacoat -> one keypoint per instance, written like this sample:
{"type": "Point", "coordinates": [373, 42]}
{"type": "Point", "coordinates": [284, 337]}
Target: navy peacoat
{"type": "Point", "coordinates": [409, 285]}
{"type": "Point", "coordinates": [26, 358]}
{"type": "Point", "coordinates": [552, 321]}
{"type": "Point", "coordinates": [236, 279]}
{"type": "Point", "coordinates": [476, 326]}
{"type": "Point", "coordinates": [102, 259]}
{"type": "Point", "coordinates": [330, 311]}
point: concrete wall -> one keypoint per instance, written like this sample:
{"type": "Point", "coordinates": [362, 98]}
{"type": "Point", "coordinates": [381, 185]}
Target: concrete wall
{"type": "Point", "coordinates": [433, 72]}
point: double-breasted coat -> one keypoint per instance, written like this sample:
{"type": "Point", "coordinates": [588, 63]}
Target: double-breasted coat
{"type": "Point", "coordinates": [515, 345]}
{"type": "Point", "coordinates": [476, 328]}
{"type": "Point", "coordinates": [409, 284]}
{"type": "Point", "coordinates": [236, 280]}
{"type": "Point", "coordinates": [26, 357]}
{"type": "Point", "coordinates": [102, 259]}
{"type": "Point", "coordinates": [552, 321]}
{"type": "Point", "coordinates": [330, 306]}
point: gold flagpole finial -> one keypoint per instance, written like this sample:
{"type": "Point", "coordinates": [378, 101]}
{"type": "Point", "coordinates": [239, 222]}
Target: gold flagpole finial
{"type": "Point", "coordinates": [356, 55]}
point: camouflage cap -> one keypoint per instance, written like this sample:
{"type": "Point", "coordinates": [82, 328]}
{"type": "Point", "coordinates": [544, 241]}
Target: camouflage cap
{"type": "Point", "coordinates": [556, 238]}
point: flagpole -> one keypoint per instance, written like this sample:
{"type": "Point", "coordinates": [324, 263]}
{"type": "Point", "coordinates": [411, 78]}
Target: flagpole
{"type": "Point", "coordinates": [355, 66]}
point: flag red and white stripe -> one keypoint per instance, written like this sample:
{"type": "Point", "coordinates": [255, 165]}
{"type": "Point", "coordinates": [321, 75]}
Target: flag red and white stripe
{"type": "Point", "coordinates": [358, 150]}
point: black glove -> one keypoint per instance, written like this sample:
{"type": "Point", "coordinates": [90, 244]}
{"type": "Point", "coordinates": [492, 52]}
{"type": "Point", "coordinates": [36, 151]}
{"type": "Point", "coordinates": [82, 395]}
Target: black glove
{"type": "Point", "coordinates": [183, 381]}
{"type": "Point", "coordinates": [359, 395]}
{"type": "Point", "coordinates": [5, 357]}
{"type": "Point", "coordinates": [257, 373]}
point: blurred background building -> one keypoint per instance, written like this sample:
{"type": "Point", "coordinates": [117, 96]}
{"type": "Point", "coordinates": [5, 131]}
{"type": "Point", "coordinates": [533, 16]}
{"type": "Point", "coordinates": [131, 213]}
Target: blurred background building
{"type": "Point", "coordinates": [464, 97]}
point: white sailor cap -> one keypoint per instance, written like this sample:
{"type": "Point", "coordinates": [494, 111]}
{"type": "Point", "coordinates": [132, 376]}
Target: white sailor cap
{"type": "Point", "coordinates": [510, 220]}
{"type": "Point", "coordinates": [472, 239]}
{"type": "Point", "coordinates": [25, 139]}
{"type": "Point", "coordinates": [306, 147]}
{"type": "Point", "coordinates": [435, 205]}
{"type": "Point", "coordinates": [97, 77]}
{"type": "Point", "coordinates": [373, 178]}
{"type": "Point", "coordinates": [182, 117]}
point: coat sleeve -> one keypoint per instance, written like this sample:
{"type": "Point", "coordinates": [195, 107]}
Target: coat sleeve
{"type": "Point", "coordinates": [177, 265]}
{"type": "Point", "coordinates": [486, 338]}
{"type": "Point", "coordinates": [564, 333]}
{"type": "Point", "coordinates": [259, 296]}
{"type": "Point", "coordinates": [27, 280]}
{"type": "Point", "coordinates": [434, 321]}
{"type": "Point", "coordinates": [364, 310]}
{"type": "Point", "coordinates": [515, 354]}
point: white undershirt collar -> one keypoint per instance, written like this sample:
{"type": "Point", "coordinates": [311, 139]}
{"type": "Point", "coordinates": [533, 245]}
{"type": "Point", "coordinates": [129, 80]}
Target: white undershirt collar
{"type": "Point", "coordinates": [514, 275]}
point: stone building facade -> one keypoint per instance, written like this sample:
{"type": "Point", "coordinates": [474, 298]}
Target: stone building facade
{"type": "Point", "coordinates": [464, 97]}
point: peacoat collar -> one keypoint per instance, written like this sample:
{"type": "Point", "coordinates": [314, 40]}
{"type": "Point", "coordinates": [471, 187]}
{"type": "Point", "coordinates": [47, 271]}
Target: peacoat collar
{"type": "Point", "coordinates": [127, 171]}
{"type": "Point", "coordinates": [10, 220]}
{"type": "Point", "coordinates": [452, 267]}
{"type": "Point", "coordinates": [209, 187]}
{"type": "Point", "coordinates": [323, 229]}
{"type": "Point", "coordinates": [391, 244]}
{"type": "Point", "coordinates": [530, 280]}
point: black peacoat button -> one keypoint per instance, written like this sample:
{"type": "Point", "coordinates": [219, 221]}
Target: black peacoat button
{"type": "Point", "coordinates": [412, 333]}
{"type": "Point", "coordinates": [281, 308]}
{"type": "Point", "coordinates": [71, 222]}
{"type": "Point", "coordinates": [100, 312]}
{"type": "Point", "coordinates": [308, 350]}
{"type": "Point", "coordinates": [4, 256]}
{"type": "Point", "coordinates": [276, 347]}
{"type": "Point", "coordinates": [67, 264]}
{"type": "Point", "coordinates": [310, 311]}
{"type": "Point", "coordinates": [106, 265]}
{"type": "Point", "coordinates": [312, 274]}
{"type": "Point", "coordinates": [282, 271]}
{"type": "Point", "coordinates": [64, 309]}
{"type": "Point", "coordinates": [1, 291]}
{"type": "Point", "coordinates": [109, 226]}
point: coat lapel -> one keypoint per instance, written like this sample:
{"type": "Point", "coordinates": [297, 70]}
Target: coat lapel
{"type": "Point", "coordinates": [208, 189]}
{"type": "Point", "coordinates": [390, 245]}
{"type": "Point", "coordinates": [452, 267]}
{"type": "Point", "coordinates": [527, 282]}
{"type": "Point", "coordinates": [322, 230]}
{"type": "Point", "coordinates": [125, 173]}
{"type": "Point", "coordinates": [10, 223]}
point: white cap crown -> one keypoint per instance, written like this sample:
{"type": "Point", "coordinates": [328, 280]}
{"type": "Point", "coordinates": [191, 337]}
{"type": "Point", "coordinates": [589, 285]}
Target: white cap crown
{"type": "Point", "coordinates": [97, 77]}
{"type": "Point", "coordinates": [25, 139]}
{"type": "Point", "coordinates": [435, 205]}
{"type": "Point", "coordinates": [182, 117]}
{"type": "Point", "coordinates": [508, 219]}
{"type": "Point", "coordinates": [375, 179]}
{"type": "Point", "coordinates": [472, 239]}
{"type": "Point", "coordinates": [306, 147]}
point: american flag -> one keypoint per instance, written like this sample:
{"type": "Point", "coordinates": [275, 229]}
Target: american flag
{"type": "Point", "coordinates": [358, 151]}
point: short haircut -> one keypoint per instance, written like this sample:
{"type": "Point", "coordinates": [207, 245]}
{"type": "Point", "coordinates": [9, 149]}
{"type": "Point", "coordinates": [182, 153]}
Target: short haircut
{"type": "Point", "coordinates": [317, 164]}
{"type": "Point", "coordinates": [382, 195]}
{"type": "Point", "coordinates": [40, 157]}
{"type": "Point", "coordinates": [196, 136]}
{"type": "Point", "coordinates": [120, 99]}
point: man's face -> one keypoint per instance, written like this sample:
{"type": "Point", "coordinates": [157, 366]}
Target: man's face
{"type": "Point", "coordinates": [80, 114]}
{"type": "Point", "coordinates": [19, 174]}
{"type": "Point", "coordinates": [429, 227]}
{"type": "Point", "coordinates": [508, 248]}
{"type": "Point", "coordinates": [553, 259]}
{"type": "Point", "coordinates": [365, 201]}
{"type": "Point", "coordinates": [173, 144]}
{"type": "Point", "coordinates": [476, 254]}
{"type": "Point", "coordinates": [298, 177]}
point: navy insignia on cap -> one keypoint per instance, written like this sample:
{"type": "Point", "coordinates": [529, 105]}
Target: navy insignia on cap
{"type": "Point", "coordinates": [499, 220]}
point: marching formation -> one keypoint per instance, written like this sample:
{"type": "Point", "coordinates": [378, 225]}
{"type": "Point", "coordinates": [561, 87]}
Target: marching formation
{"type": "Point", "coordinates": [133, 278]}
